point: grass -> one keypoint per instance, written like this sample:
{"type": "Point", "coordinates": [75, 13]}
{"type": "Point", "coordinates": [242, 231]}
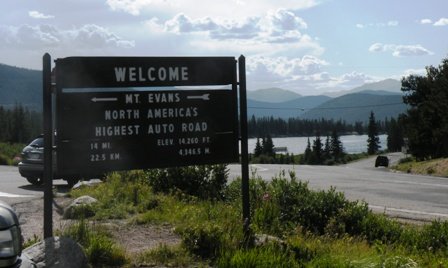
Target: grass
{"type": "Point", "coordinates": [313, 229]}
{"type": "Point", "coordinates": [171, 256]}
{"type": "Point", "coordinates": [435, 167]}
{"type": "Point", "coordinates": [98, 245]}
{"type": "Point", "coordinates": [10, 153]}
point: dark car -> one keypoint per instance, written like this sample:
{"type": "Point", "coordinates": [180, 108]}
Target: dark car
{"type": "Point", "coordinates": [382, 160]}
{"type": "Point", "coordinates": [32, 165]}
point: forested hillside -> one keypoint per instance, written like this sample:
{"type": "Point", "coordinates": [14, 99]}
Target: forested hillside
{"type": "Point", "coordinates": [19, 124]}
{"type": "Point", "coordinates": [20, 86]}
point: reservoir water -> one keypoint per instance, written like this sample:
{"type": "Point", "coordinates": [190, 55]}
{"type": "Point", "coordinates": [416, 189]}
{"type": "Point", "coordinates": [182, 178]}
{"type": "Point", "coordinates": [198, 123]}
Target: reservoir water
{"type": "Point", "coordinates": [352, 143]}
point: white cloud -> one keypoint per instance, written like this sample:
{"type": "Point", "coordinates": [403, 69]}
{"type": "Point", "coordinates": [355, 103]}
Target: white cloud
{"type": "Point", "coordinates": [425, 21]}
{"type": "Point", "coordinates": [345, 81]}
{"type": "Point", "coordinates": [305, 75]}
{"type": "Point", "coordinates": [45, 36]}
{"type": "Point", "coordinates": [400, 50]}
{"type": "Point", "coordinates": [230, 9]}
{"type": "Point", "coordinates": [441, 22]}
{"type": "Point", "coordinates": [281, 26]}
{"type": "Point", "coordinates": [37, 15]}
{"type": "Point", "coordinates": [131, 6]}
{"type": "Point", "coordinates": [408, 72]}
{"type": "Point", "coordinates": [287, 67]}
{"type": "Point", "coordinates": [293, 73]}
{"type": "Point", "coordinates": [377, 47]}
{"type": "Point", "coordinates": [94, 36]}
{"type": "Point", "coordinates": [391, 23]}
{"type": "Point", "coordinates": [285, 20]}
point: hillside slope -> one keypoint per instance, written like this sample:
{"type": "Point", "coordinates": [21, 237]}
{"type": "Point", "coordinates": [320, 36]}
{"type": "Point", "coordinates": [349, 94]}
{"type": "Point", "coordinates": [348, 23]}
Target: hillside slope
{"type": "Point", "coordinates": [19, 85]}
{"type": "Point", "coordinates": [285, 110]}
{"type": "Point", "coordinates": [276, 95]}
{"type": "Point", "coordinates": [356, 107]}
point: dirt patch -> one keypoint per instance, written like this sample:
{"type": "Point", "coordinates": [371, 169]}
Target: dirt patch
{"type": "Point", "coordinates": [133, 238]}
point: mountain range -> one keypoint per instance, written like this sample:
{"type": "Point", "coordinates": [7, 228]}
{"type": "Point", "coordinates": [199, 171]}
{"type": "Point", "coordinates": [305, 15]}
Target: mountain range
{"type": "Point", "coordinates": [384, 98]}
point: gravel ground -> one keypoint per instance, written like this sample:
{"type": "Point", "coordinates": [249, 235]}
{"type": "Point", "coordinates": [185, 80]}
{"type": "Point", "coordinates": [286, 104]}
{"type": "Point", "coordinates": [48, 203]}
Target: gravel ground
{"type": "Point", "coordinates": [133, 238]}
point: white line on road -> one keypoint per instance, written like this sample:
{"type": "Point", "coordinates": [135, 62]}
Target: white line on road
{"type": "Point", "coordinates": [408, 211]}
{"type": "Point", "coordinates": [2, 194]}
{"type": "Point", "coordinates": [258, 168]}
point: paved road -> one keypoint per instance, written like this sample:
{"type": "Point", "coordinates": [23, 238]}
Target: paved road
{"type": "Point", "coordinates": [398, 194]}
{"type": "Point", "coordinates": [16, 189]}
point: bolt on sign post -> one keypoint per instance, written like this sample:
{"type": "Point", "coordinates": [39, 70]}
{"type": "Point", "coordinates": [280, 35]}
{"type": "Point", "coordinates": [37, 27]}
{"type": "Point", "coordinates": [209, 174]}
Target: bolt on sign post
{"type": "Point", "coordinates": [122, 113]}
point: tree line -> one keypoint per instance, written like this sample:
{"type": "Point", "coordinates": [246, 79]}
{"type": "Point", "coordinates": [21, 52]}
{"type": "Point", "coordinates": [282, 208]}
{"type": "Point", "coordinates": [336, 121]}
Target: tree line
{"type": "Point", "coordinates": [19, 124]}
{"type": "Point", "coordinates": [426, 122]}
{"type": "Point", "coordinates": [296, 127]}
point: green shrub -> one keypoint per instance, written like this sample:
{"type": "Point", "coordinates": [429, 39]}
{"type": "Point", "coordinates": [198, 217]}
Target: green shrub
{"type": "Point", "coordinates": [203, 240]}
{"type": "Point", "coordinates": [434, 237]}
{"type": "Point", "coordinates": [349, 220]}
{"type": "Point", "coordinates": [266, 217]}
{"type": "Point", "coordinates": [4, 160]}
{"type": "Point", "coordinates": [206, 182]}
{"type": "Point", "coordinates": [378, 227]}
{"type": "Point", "coordinates": [10, 152]}
{"type": "Point", "coordinates": [312, 210]}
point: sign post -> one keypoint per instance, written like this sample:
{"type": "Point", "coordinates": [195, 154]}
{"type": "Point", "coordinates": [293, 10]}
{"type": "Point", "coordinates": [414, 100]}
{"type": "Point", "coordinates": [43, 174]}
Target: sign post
{"type": "Point", "coordinates": [48, 147]}
{"type": "Point", "coordinates": [244, 148]}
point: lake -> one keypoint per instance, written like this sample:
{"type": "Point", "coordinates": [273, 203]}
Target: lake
{"type": "Point", "coordinates": [352, 143]}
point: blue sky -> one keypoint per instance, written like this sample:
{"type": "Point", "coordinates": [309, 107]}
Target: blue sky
{"type": "Point", "coordinates": [307, 46]}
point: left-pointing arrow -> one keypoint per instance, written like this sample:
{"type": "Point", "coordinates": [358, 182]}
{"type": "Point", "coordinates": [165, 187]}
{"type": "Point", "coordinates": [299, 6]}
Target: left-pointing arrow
{"type": "Point", "coordinates": [95, 99]}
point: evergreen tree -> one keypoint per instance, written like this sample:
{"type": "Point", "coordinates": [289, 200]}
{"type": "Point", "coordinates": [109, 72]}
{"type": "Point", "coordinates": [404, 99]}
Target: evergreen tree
{"type": "Point", "coordinates": [373, 141]}
{"type": "Point", "coordinates": [336, 148]}
{"type": "Point", "coordinates": [426, 121]}
{"type": "Point", "coordinates": [268, 146]}
{"type": "Point", "coordinates": [327, 149]}
{"type": "Point", "coordinates": [258, 150]}
{"type": "Point", "coordinates": [317, 158]}
{"type": "Point", "coordinates": [307, 154]}
{"type": "Point", "coordinates": [394, 136]}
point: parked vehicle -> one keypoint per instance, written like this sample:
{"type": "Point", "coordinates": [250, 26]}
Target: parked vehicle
{"type": "Point", "coordinates": [32, 165]}
{"type": "Point", "coordinates": [382, 160]}
{"type": "Point", "coordinates": [10, 237]}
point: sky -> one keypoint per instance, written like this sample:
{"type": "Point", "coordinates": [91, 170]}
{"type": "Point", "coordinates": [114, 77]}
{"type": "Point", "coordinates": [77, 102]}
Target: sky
{"type": "Point", "coordinates": [310, 47]}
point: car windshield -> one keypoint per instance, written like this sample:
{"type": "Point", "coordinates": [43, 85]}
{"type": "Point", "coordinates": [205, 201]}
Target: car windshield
{"type": "Point", "coordinates": [39, 142]}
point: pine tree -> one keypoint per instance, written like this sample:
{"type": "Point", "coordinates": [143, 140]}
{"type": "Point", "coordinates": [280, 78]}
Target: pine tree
{"type": "Point", "coordinates": [327, 149]}
{"type": "Point", "coordinates": [268, 146]}
{"type": "Point", "coordinates": [394, 136]}
{"type": "Point", "coordinates": [373, 141]}
{"type": "Point", "coordinates": [258, 150]}
{"type": "Point", "coordinates": [336, 148]}
{"type": "Point", "coordinates": [307, 154]}
{"type": "Point", "coordinates": [317, 158]}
